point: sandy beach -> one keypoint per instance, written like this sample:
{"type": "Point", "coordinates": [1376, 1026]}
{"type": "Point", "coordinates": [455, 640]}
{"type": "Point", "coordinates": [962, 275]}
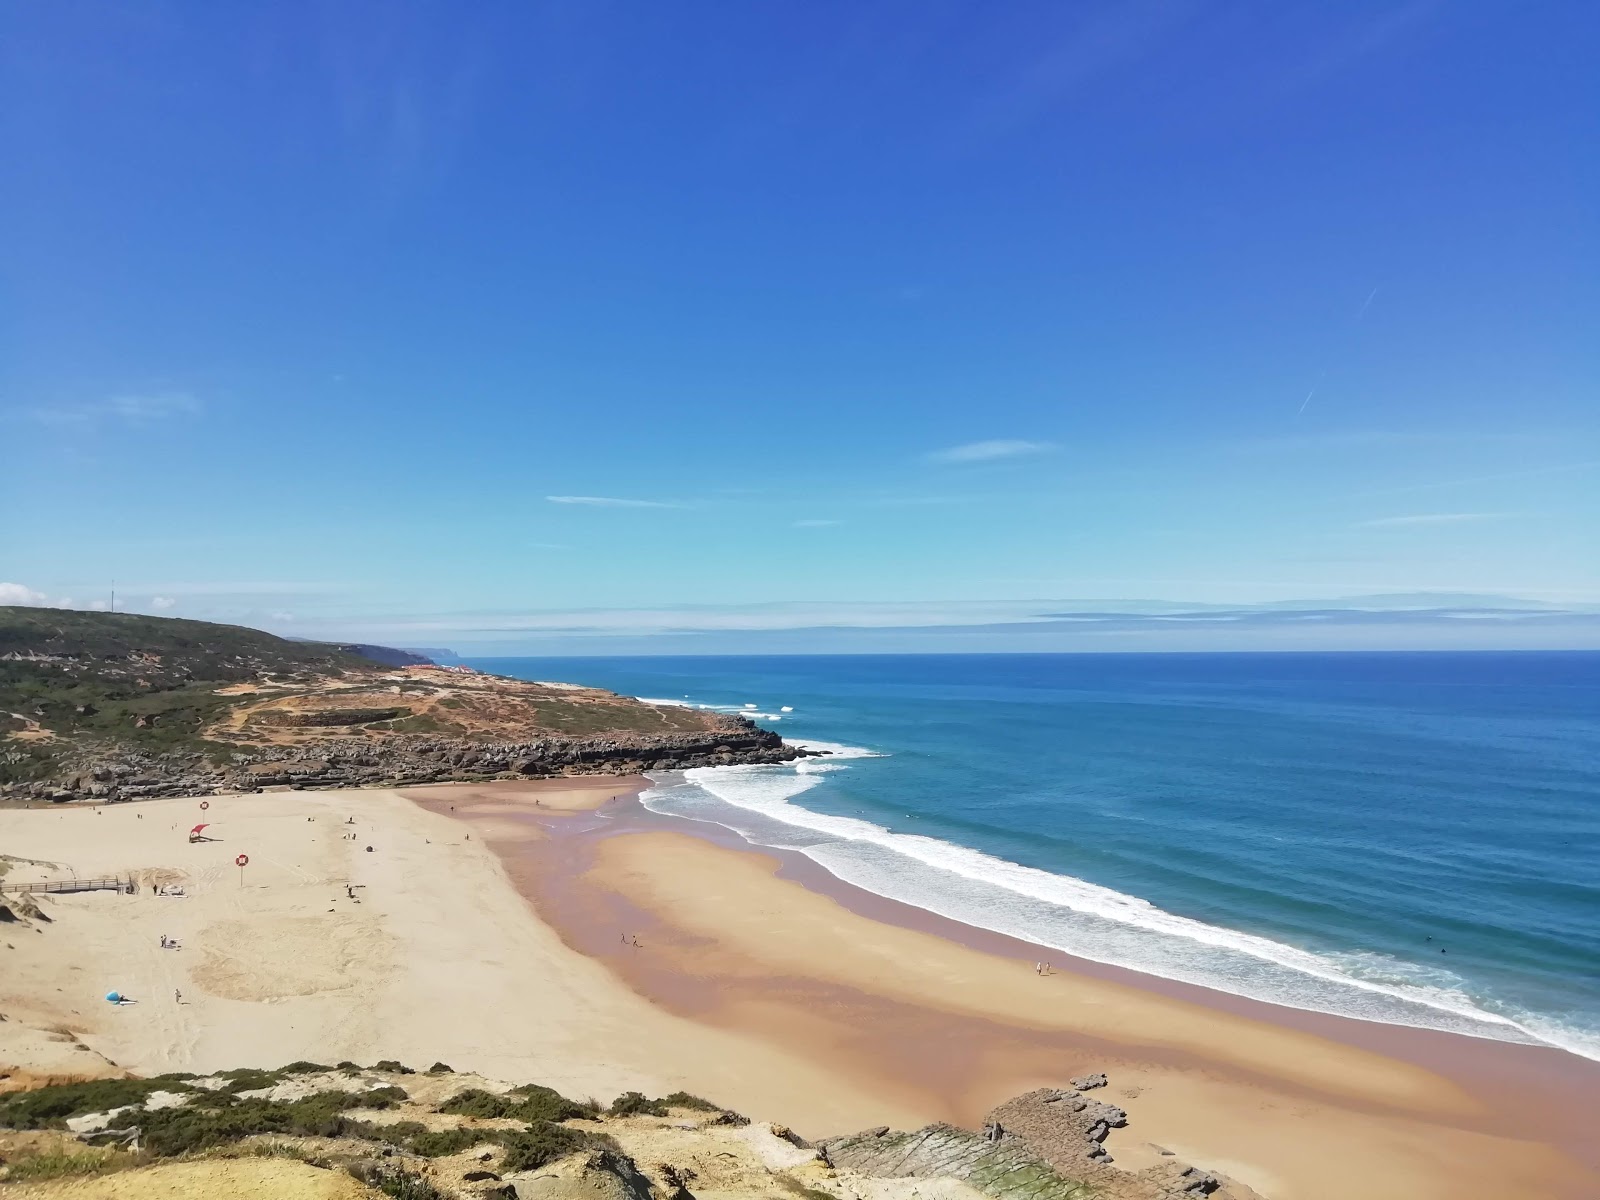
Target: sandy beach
{"type": "Point", "coordinates": [493, 927]}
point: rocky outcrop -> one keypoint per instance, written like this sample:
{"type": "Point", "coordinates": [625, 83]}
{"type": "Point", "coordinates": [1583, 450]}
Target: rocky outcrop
{"type": "Point", "coordinates": [1047, 1144]}
{"type": "Point", "coordinates": [1005, 1170]}
{"type": "Point", "coordinates": [398, 761]}
{"type": "Point", "coordinates": [1063, 1127]}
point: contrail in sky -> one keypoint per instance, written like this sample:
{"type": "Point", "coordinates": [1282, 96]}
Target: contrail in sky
{"type": "Point", "coordinates": [1365, 304]}
{"type": "Point", "coordinates": [1312, 392]}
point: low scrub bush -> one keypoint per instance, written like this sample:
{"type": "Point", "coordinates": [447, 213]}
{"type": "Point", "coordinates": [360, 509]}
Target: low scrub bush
{"type": "Point", "coordinates": [437, 1143]}
{"type": "Point", "coordinates": [540, 1144]}
{"type": "Point", "coordinates": [475, 1102]}
{"type": "Point", "coordinates": [66, 1164]}
{"type": "Point", "coordinates": [250, 1079]}
{"type": "Point", "coordinates": [49, 1107]}
{"type": "Point", "coordinates": [694, 1103]}
{"type": "Point", "coordinates": [393, 1181]}
{"type": "Point", "coordinates": [632, 1104]}
{"type": "Point", "coordinates": [636, 1104]}
{"type": "Point", "coordinates": [530, 1103]}
{"type": "Point", "coordinates": [183, 1130]}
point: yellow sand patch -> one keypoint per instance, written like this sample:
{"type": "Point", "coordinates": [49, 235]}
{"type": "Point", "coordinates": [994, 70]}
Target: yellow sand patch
{"type": "Point", "coordinates": [237, 1179]}
{"type": "Point", "coordinates": [273, 958]}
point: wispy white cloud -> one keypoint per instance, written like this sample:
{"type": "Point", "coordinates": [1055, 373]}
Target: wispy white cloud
{"type": "Point", "coordinates": [610, 502]}
{"type": "Point", "coordinates": [21, 593]}
{"type": "Point", "coordinates": [132, 408]}
{"type": "Point", "coordinates": [1429, 519]}
{"type": "Point", "coordinates": [990, 451]}
{"type": "Point", "coordinates": [163, 602]}
{"type": "Point", "coordinates": [27, 597]}
{"type": "Point", "coordinates": [814, 523]}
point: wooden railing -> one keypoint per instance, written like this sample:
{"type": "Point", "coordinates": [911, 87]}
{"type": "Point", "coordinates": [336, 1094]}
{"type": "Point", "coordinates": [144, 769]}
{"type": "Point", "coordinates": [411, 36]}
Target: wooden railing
{"type": "Point", "coordinates": [105, 883]}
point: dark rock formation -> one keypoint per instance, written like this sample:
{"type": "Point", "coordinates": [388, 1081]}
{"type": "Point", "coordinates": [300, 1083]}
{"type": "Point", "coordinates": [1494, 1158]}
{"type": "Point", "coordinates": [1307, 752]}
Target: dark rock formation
{"type": "Point", "coordinates": [398, 761]}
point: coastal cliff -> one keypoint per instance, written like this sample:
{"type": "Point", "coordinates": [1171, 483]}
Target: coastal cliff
{"type": "Point", "coordinates": [112, 706]}
{"type": "Point", "coordinates": [439, 1135]}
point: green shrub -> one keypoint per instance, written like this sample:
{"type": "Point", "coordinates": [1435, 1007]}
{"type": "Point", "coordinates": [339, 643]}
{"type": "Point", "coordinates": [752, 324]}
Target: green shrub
{"type": "Point", "coordinates": [437, 1143]}
{"type": "Point", "coordinates": [475, 1102]}
{"type": "Point", "coordinates": [302, 1067]}
{"type": "Point", "coordinates": [391, 1066]}
{"type": "Point", "coordinates": [538, 1145]}
{"type": "Point", "coordinates": [539, 1103]}
{"type": "Point", "coordinates": [392, 1181]}
{"type": "Point", "coordinates": [694, 1103]}
{"type": "Point", "coordinates": [384, 1097]}
{"type": "Point", "coordinates": [183, 1130]}
{"type": "Point", "coordinates": [530, 1103]}
{"type": "Point", "coordinates": [65, 1164]}
{"type": "Point", "coordinates": [250, 1079]}
{"type": "Point", "coordinates": [634, 1104]}
{"type": "Point", "coordinates": [51, 1106]}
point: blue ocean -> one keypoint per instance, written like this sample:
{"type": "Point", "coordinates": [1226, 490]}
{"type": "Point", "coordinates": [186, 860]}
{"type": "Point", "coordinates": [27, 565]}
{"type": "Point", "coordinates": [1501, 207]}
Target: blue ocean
{"type": "Point", "coordinates": [1406, 838]}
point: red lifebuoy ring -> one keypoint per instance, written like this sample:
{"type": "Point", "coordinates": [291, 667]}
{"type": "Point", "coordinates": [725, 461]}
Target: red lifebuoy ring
{"type": "Point", "coordinates": [241, 860]}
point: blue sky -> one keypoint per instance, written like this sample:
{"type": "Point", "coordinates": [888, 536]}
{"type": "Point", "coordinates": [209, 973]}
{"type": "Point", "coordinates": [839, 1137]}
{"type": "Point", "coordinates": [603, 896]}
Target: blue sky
{"type": "Point", "coordinates": [532, 324]}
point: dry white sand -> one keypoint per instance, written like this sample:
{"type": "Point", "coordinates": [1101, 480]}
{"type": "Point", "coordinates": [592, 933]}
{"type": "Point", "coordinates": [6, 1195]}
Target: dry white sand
{"type": "Point", "coordinates": [437, 959]}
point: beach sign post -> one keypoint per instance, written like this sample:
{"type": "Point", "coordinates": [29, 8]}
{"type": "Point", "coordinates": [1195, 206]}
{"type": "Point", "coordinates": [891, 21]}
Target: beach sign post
{"type": "Point", "coordinates": [241, 861]}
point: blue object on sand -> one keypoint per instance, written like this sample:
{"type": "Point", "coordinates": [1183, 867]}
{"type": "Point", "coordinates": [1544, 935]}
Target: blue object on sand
{"type": "Point", "coordinates": [114, 997]}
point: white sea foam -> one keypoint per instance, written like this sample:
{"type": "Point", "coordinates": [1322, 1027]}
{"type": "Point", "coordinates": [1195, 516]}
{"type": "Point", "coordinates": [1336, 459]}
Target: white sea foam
{"type": "Point", "coordinates": [1081, 918]}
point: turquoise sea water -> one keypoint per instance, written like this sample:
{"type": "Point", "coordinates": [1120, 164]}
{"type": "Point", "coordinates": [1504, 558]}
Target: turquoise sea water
{"type": "Point", "coordinates": [1410, 838]}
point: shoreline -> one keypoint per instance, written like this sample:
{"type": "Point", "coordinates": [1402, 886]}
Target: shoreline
{"type": "Point", "coordinates": [492, 927]}
{"type": "Point", "coordinates": [625, 866]}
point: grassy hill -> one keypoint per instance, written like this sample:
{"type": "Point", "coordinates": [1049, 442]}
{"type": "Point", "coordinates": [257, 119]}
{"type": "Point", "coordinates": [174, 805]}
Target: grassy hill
{"type": "Point", "coordinates": [114, 705]}
{"type": "Point", "coordinates": [151, 681]}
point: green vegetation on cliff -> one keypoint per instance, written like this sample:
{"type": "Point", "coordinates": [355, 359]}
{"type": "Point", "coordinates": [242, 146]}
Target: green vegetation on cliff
{"type": "Point", "coordinates": [150, 683]}
{"type": "Point", "coordinates": [114, 706]}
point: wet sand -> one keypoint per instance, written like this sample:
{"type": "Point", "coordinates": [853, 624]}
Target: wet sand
{"type": "Point", "coordinates": [923, 1018]}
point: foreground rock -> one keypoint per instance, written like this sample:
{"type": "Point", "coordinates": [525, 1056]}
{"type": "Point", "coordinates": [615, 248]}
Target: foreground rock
{"type": "Point", "coordinates": [1045, 1145]}
{"type": "Point", "coordinates": [439, 1135]}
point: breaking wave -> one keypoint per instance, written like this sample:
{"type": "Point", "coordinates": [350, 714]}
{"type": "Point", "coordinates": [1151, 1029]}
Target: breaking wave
{"type": "Point", "coordinates": [1081, 918]}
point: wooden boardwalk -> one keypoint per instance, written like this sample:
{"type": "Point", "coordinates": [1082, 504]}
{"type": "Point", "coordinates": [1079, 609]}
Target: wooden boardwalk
{"type": "Point", "coordinates": [105, 883]}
